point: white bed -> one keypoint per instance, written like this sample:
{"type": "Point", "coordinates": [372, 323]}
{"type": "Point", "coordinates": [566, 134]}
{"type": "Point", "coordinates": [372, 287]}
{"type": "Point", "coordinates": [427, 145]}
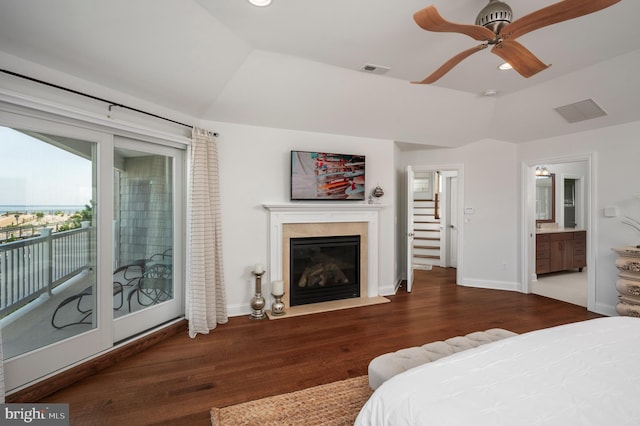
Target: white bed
{"type": "Point", "coordinates": [586, 373]}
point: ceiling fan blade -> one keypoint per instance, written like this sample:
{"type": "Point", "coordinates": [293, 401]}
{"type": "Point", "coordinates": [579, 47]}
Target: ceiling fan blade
{"type": "Point", "coordinates": [557, 12]}
{"type": "Point", "coordinates": [519, 57]}
{"type": "Point", "coordinates": [429, 19]}
{"type": "Point", "coordinates": [447, 66]}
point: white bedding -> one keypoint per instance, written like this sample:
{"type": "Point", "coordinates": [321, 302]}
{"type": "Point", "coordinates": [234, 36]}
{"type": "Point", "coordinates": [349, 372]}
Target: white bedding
{"type": "Point", "coordinates": [586, 373]}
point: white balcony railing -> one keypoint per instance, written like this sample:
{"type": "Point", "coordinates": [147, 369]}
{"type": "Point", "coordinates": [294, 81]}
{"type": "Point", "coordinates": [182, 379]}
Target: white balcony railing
{"type": "Point", "coordinates": [33, 266]}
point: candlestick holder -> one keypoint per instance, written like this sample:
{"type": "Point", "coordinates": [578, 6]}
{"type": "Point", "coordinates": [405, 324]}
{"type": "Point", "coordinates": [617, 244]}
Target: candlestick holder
{"type": "Point", "coordinates": [277, 307]}
{"type": "Point", "coordinates": [258, 302]}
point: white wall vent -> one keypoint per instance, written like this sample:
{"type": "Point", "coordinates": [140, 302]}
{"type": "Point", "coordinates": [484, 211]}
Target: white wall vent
{"type": "Point", "coordinates": [580, 111]}
{"type": "Point", "coordinates": [374, 69]}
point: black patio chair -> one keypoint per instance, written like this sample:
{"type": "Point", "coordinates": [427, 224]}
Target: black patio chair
{"type": "Point", "coordinates": [131, 270]}
{"type": "Point", "coordinates": [84, 313]}
{"type": "Point", "coordinates": [154, 286]}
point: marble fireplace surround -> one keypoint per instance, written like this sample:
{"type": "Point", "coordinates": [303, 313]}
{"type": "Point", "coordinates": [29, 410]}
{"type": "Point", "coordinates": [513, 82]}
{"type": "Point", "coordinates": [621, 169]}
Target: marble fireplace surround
{"type": "Point", "coordinates": [292, 220]}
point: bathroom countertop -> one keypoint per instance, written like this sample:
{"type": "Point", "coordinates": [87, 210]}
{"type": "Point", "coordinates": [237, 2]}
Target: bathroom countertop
{"type": "Point", "coordinates": [556, 229]}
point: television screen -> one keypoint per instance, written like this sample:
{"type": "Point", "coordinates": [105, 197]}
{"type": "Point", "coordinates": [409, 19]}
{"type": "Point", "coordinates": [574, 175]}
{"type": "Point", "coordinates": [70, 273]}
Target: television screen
{"type": "Point", "coordinates": [326, 176]}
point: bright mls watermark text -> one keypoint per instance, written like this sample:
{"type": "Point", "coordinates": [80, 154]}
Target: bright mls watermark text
{"type": "Point", "coordinates": [35, 414]}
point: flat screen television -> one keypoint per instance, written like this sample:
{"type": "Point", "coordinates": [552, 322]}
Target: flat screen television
{"type": "Point", "coordinates": [327, 176]}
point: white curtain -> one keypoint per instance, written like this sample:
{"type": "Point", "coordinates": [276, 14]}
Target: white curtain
{"type": "Point", "coordinates": [206, 299]}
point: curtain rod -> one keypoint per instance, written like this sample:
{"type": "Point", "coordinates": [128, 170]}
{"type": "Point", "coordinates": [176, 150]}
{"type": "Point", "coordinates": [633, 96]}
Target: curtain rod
{"type": "Point", "coordinates": [86, 95]}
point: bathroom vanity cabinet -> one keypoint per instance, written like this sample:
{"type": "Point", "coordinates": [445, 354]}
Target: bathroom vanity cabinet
{"type": "Point", "coordinates": [560, 250]}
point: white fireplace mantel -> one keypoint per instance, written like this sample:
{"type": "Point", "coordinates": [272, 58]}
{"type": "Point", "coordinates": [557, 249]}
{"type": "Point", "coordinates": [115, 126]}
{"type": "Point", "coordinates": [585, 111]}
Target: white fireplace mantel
{"type": "Point", "coordinates": [334, 207]}
{"type": "Point", "coordinates": [284, 213]}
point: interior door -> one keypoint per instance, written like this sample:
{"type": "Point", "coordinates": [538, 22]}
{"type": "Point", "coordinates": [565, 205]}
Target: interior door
{"type": "Point", "coordinates": [452, 191]}
{"type": "Point", "coordinates": [410, 232]}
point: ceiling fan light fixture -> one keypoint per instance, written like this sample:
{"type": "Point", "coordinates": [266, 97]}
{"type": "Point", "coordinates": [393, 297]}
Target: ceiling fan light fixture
{"type": "Point", "coordinates": [495, 27]}
{"type": "Point", "coordinates": [504, 67]}
{"type": "Point", "coordinates": [495, 16]}
{"type": "Point", "coordinates": [260, 3]}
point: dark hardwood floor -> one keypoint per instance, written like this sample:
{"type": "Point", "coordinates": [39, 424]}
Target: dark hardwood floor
{"type": "Point", "coordinates": [179, 379]}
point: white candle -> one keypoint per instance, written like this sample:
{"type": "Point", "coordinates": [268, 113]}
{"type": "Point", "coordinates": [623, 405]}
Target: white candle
{"type": "Point", "coordinates": [259, 268]}
{"type": "Point", "coordinates": [277, 288]}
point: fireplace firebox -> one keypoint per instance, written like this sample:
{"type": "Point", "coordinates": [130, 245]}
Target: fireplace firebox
{"type": "Point", "coordinates": [324, 269]}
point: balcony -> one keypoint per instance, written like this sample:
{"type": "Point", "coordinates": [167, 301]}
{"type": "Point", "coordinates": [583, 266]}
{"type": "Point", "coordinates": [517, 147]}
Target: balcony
{"type": "Point", "coordinates": [35, 266]}
{"type": "Point", "coordinates": [37, 274]}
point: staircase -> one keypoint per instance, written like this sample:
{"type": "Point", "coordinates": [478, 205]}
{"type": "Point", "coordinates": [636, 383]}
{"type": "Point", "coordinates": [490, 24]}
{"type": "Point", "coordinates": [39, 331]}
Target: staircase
{"type": "Point", "coordinates": [426, 240]}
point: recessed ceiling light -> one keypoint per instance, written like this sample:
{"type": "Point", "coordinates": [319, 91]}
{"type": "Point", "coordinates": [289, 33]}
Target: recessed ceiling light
{"type": "Point", "coordinates": [490, 92]}
{"type": "Point", "coordinates": [260, 3]}
{"type": "Point", "coordinates": [505, 66]}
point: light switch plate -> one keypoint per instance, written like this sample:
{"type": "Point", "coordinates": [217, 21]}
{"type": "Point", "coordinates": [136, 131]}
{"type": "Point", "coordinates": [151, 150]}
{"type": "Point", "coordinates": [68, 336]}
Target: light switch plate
{"type": "Point", "coordinates": [611, 211]}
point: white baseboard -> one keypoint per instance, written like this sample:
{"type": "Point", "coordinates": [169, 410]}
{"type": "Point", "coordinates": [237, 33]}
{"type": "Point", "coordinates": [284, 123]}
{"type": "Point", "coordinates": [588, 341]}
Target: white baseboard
{"type": "Point", "coordinates": [491, 285]}
{"type": "Point", "coordinates": [238, 310]}
{"type": "Point", "coordinates": [608, 310]}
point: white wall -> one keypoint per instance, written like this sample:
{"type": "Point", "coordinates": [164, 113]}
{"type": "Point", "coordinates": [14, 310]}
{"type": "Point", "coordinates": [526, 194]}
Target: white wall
{"type": "Point", "coordinates": [255, 169]}
{"type": "Point", "coordinates": [489, 251]}
{"type": "Point", "coordinates": [616, 175]}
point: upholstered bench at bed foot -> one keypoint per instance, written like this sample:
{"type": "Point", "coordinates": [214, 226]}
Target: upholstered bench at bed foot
{"type": "Point", "coordinates": [388, 365]}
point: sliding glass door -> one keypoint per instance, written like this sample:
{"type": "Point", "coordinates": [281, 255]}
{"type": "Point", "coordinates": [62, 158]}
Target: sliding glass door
{"type": "Point", "coordinates": [52, 299]}
{"type": "Point", "coordinates": [47, 241]}
{"type": "Point", "coordinates": [91, 242]}
{"type": "Point", "coordinates": [147, 217]}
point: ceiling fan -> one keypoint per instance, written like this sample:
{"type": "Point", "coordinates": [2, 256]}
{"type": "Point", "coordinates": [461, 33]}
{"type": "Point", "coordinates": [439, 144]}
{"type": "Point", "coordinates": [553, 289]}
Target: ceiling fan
{"type": "Point", "coordinates": [494, 26]}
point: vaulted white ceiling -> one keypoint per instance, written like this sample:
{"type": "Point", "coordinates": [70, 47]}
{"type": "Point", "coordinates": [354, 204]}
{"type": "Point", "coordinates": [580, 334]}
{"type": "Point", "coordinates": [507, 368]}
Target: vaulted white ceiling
{"type": "Point", "coordinates": [296, 64]}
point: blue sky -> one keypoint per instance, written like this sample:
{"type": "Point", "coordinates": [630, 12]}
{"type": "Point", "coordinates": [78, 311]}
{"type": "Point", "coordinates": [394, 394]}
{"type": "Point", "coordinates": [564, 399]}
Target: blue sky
{"type": "Point", "coordinates": [33, 172]}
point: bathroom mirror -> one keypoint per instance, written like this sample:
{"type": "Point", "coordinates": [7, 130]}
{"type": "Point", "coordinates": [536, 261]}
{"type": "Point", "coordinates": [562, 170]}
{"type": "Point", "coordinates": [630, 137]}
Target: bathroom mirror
{"type": "Point", "coordinates": [546, 199]}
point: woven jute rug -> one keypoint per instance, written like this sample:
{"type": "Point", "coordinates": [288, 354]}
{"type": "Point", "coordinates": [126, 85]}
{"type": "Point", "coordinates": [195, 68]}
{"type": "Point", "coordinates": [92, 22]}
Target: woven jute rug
{"type": "Point", "coordinates": [336, 403]}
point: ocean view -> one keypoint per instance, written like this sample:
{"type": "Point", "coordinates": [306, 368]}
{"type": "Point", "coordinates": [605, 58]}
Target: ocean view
{"type": "Point", "coordinates": [47, 209]}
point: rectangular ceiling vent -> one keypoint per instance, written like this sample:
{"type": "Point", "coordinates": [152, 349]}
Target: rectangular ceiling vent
{"type": "Point", "coordinates": [374, 69]}
{"type": "Point", "coordinates": [580, 111]}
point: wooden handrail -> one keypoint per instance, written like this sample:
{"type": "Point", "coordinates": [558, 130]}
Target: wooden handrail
{"type": "Point", "coordinates": [436, 186]}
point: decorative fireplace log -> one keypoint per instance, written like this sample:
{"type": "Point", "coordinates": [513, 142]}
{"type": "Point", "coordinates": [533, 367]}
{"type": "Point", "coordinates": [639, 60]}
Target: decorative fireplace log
{"type": "Point", "coordinates": [321, 275]}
